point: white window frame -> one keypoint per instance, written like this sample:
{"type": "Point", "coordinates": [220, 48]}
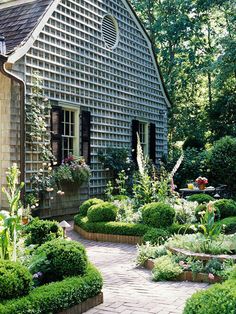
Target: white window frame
{"type": "Point", "coordinates": [76, 138]}
{"type": "Point", "coordinates": [144, 140]}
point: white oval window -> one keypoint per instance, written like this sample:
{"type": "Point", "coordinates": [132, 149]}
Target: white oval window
{"type": "Point", "coordinates": [110, 31]}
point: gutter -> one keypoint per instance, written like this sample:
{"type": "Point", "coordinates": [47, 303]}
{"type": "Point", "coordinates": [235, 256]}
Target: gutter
{"type": "Point", "coordinates": [4, 71]}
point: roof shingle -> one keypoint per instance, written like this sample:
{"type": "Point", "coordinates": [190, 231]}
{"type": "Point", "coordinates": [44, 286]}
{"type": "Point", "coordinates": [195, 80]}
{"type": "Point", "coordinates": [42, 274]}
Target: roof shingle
{"type": "Point", "coordinates": [17, 22]}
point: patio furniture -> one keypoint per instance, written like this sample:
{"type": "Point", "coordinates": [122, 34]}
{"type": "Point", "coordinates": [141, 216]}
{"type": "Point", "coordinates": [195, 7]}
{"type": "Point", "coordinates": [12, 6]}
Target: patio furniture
{"type": "Point", "coordinates": [187, 192]}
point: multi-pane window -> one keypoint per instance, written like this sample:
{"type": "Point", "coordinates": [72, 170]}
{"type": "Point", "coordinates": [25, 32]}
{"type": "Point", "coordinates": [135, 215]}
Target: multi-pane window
{"type": "Point", "coordinates": [68, 133]}
{"type": "Point", "coordinates": [143, 135]}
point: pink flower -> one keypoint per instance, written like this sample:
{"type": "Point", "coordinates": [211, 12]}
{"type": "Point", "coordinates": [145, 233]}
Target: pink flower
{"type": "Point", "coordinates": [211, 276]}
{"type": "Point", "coordinates": [181, 263]}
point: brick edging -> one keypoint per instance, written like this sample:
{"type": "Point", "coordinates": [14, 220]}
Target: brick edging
{"type": "Point", "coordinates": [84, 306]}
{"type": "Point", "coordinates": [103, 237]}
{"type": "Point", "coordinates": [187, 275]}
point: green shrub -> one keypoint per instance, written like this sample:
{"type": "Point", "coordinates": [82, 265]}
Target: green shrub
{"type": "Point", "coordinates": [156, 235]}
{"type": "Point", "coordinates": [226, 207]}
{"type": "Point", "coordinates": [158, 215]}
{"type": "Point", "coordinates": [112, 227]}
{"type": "Point", "coordinates": [218, 299]}
{"type": "Point", "coordinates": [222, 162]}
{"type": "Point", "coordinates": [176, 228]}
{"type": "Point", "coordinates": [203, 208]}
{"type": "Point", "coordinates": [40, 231]}
{"type": "Point", "coordinates": [200, 198]}
{"type": "Point", "coordinates": [193, 142]}
{"type": "Point", "coordinates": [58, 296]}
{"type": "Point", "coordinates": [87, 204]}
{"type": "Point", "coordinates": [58, 259]}
{"type": "Point", "coordinates": [229, 224]}
{"type": "Point", "coordinates": [15, 280]}
{"type": "Point", "coordinates": [102, 212]}
{"type": "Point", "coordinates": [120, 197]}
{"type": "Point", "coordinates": [165, 269]}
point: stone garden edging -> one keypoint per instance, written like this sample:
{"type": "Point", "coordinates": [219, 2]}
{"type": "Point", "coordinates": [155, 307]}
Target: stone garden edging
{"type": "Point", "coordinates": [85, 305]}
{"type": "Point", "coordinates": [104, 237]}
{"type": "Point", "coordinates": [187, 275]}
{"type": "Point", "coordinates": [201, 256]}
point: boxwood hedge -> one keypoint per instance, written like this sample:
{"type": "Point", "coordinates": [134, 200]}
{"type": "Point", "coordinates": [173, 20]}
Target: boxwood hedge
{"type": "Point", "coordinates": [56, 296]}
{"type": "Point", "coordinates": [111, 227]}
{"type": "Point", "coordinates": [219, 299]}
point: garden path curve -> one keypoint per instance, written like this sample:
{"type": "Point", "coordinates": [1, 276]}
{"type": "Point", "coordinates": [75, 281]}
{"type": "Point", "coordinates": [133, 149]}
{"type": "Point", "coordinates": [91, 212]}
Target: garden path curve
{"type": "Point", "coordinates": [128, 289]}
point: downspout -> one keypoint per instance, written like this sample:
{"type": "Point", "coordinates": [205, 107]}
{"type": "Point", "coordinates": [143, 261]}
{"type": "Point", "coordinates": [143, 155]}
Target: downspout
{"type": "Point", "coordinates": [3, 70]}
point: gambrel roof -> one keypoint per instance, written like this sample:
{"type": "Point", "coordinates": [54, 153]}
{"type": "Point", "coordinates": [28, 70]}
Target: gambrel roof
{"type": "Point", "coordinates": [21, 21]}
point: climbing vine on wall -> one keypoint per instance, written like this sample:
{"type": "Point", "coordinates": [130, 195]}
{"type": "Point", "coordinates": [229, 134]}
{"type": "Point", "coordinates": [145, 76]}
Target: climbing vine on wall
{"type": "Point", "coordinates": [37, 118]}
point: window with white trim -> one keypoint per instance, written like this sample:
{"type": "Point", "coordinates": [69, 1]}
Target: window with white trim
{"type": "Point", "coordinates": [68, 133]}
{"type": "Point", "coordinates": [143, 135]}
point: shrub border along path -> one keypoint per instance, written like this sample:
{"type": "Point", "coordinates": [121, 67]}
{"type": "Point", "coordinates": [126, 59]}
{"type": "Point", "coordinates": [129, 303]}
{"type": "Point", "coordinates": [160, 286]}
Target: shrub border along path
{"type": "Point", "coordinates": [128, 289]}
{"type": "Point", "coordinates": [115, 238]}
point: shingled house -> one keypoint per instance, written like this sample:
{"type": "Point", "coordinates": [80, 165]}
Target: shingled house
{"type": "Point", "coordinates": [98, 70]}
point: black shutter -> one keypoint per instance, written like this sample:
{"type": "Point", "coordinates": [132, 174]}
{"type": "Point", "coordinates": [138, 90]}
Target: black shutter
{"type": "Point", "coordinates": [152, 142]}
{"type": "Point", "coordinates": [86, 125]}
{"type": "Point", "coordinates": [135, 129]}
{"type": "Point", "coordinates": [56, 133]}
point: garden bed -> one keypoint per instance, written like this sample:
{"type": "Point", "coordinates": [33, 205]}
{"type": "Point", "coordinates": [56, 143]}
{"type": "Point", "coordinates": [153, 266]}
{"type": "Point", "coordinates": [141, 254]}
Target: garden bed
{"type": "Point", "coordinates": [66, 296]}
{"type": "Point", "coordinates": [84, 306]}
{"type": "Point", "coordinates": [116, 238]}
{"type": "Point", "coordinates": [202, 256]}
{"type": "Point", "coordinates": [187, 275]}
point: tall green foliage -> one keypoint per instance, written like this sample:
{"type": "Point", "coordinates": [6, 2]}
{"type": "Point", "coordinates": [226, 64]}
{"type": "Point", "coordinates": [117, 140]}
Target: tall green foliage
{"type": "Point", "coordinates": [195, 45]}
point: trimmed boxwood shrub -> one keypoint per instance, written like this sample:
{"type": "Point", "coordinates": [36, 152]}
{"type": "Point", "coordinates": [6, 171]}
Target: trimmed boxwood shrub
{"type": "Point", "coordinates": [112, 227]}
{"type": "Point", "coordinates": [102, 212]}
{"type": "Point", "coordinates": [60, 258]}
{"type": "Point", "coordinates": [156, 235]}
{"type": "Point", "coordinates": [226, 207]}
{"type": "Point", "coordinates": [158, 215]}
{"type": "Point", "coordinates": [200, 198]}
{"type": "Point", "coordinates": [219, 299]}
{"type": "Point", "coordinates": [83, 209]}
{"type": "Point", "coordinates": [229, 223]}
{"type": "Point", "coordinates": [176, 228]}
{"type": "Point", "coordinates": [15, 280]}
{"type": "Point", "coordinates": [57, 296]}
{"type": "Point", "coordinates": [40, 231]}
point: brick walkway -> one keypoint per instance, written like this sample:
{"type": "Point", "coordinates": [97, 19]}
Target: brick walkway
{"type": "Point", "coordinates": [128, 289]}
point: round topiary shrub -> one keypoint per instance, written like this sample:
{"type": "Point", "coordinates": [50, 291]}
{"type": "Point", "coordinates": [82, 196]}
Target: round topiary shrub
{"type": "Point", "coordinates": [87, 204]}
{"type": "Point", "coordinates": [220, 298]}
{"type": "Point", "coordinates": [226, 207]}
{"type": "Point", "coordinates": [102, 212]}
{"type": "Point", "coordinates": [15, 280]}
{"type": "Point", "coordinates": [59, 258]}
{"type": "Point", "coordinates": [200, 198]}
{"type": "Point", "coordinates": [40, 231]}
{"type": "Point", "coordinates": [158, 215]}
{"type": "Point", "coordinates": [156, 236]}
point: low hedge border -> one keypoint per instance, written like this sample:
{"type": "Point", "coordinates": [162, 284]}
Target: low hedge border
{"type": "Point", "coordinates": [57, 296]}
{"type": "Point", "coordinates": [111, 227]}
{"type": "Point", "coordinates": [218, 299]}
{"type": "Point", "coordinates": [103, 237]}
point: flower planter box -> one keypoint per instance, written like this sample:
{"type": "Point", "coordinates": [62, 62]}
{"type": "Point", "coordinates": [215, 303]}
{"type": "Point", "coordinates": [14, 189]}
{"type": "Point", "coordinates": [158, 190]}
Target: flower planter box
{"type": "Point", "coordinates": [108, 237]}
{"type": "Point", "coordinates": [202, 256]}
{"type": "Point", "coordinates": [187, 275]}
{"type": "Point", "coordinates": [84, 306]}
{"type": "Point", "coordinates": [55, 205]}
